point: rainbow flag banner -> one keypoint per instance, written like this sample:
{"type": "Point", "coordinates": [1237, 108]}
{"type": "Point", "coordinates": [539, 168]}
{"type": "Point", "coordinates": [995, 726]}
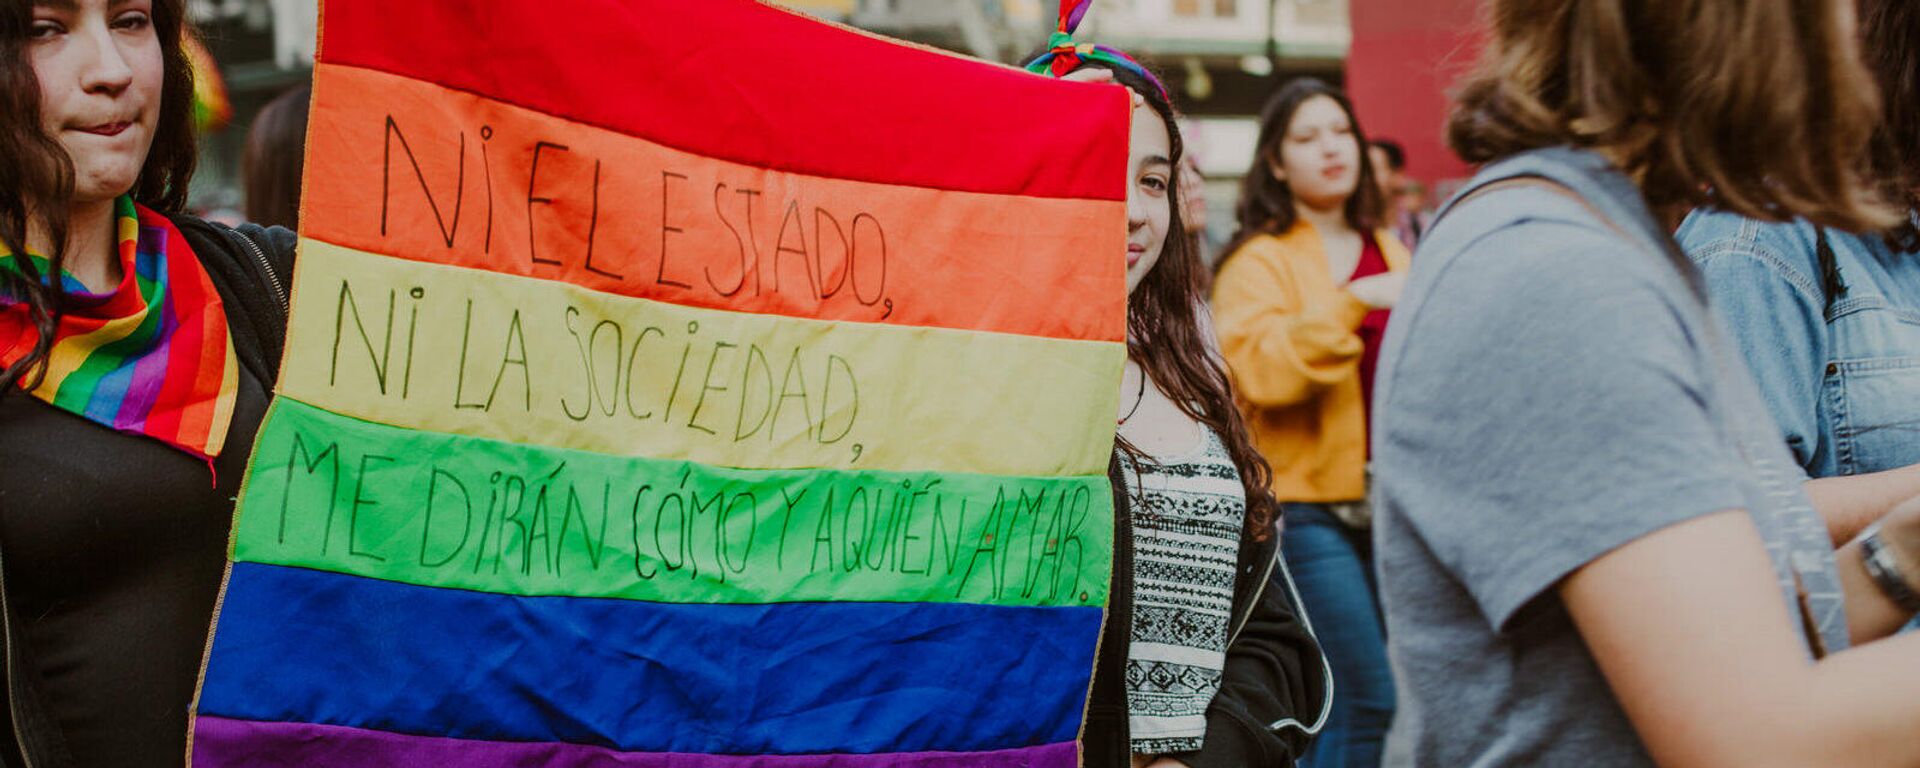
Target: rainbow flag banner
{"type": "Point", "coordinates": [679, 384]}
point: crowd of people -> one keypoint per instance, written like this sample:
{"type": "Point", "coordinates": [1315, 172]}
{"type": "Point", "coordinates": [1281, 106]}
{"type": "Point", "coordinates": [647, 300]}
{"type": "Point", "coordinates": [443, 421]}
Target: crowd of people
{"type": "Point", "coordinates": [1612, 460]}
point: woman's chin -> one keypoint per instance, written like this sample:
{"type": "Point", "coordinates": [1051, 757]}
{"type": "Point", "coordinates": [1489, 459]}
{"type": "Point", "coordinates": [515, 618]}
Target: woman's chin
{"type": "Point", "coordinates": [102, 184]}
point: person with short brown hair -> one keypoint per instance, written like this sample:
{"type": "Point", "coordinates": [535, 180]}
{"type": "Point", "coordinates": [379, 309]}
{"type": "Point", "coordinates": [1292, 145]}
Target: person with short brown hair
{"type": "Point", "coordinates": [1824, 316]}
{"type": "Point", "coordinates": [1756, 106]}
{"type": "Point", "coordinates": [1594, 549]}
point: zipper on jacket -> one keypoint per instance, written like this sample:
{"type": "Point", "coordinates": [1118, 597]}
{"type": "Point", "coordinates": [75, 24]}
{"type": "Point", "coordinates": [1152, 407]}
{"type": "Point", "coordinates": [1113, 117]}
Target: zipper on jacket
{"type": "Point", "coordinates": [259, 256]}
{"type": "Point", "coordinates": [13, 675]}
{"type": "Point", "coordinates": [1259, 590]}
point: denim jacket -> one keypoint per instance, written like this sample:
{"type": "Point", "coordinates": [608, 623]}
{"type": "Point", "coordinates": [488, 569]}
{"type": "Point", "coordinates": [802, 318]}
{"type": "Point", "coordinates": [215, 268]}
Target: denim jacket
{"type": "Point", "coordinates": [1837, 356]}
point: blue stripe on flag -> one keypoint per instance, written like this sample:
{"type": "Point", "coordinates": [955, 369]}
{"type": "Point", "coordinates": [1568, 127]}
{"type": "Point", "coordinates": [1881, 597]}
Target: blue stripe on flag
{"type": "Point", "coordinates": [785, 678]}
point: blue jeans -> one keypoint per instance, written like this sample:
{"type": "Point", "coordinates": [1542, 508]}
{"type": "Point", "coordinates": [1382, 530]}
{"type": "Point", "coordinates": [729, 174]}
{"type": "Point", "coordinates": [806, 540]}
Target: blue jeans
{"type": "Point", "coordinates": [1333, 567]}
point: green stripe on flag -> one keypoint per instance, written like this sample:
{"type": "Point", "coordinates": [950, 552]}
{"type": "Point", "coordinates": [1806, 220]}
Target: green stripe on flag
{"type": "Point", "coordinates": [333, 493]}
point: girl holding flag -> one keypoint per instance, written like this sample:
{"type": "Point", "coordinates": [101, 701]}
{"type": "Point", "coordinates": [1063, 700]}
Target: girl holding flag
{"type": "Point", "coordinates": [138, 346]}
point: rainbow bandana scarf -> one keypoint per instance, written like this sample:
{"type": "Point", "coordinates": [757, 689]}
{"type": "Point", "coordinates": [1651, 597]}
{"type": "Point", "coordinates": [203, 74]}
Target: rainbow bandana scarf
{"type": "Point", "coordinates": [151, 357]}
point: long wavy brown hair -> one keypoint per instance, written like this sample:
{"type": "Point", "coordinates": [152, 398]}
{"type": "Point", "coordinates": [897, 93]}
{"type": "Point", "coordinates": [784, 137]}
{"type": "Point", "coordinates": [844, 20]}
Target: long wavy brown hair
{"type": "Point", "coordinates": [1165, 337]}
{"type": "Point", "coordinates": [36, 175]}
{"type": "Point", "coordinates": [1266, 203]}
{"type": "Point", "coordinates": [1695, 99]}
{"type": "Point", "coordinates": [1891, 29]}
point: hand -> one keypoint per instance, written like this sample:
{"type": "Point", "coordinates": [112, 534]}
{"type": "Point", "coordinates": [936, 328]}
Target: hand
{"type": "Point", "coordinates": [1101, 75]}
{"type": "Point", "coordinates": [1380, 291]}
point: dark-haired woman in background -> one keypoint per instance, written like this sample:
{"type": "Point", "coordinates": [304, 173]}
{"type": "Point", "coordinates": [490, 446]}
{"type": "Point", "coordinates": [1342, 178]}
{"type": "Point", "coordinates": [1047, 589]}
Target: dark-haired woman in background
{"type": "Point", "coordinates": [1300, 302]}
{"type": "Point", "coordinates": [138, 347]}
{"type": "Point", "coordinates": [1829, 320]}
{"type": "Point", "coordinates": [1200, 664]}
{"type": "Point", "coordinates": [1400, 194]}
{"type": "Point", "coordinates": [276, 151]}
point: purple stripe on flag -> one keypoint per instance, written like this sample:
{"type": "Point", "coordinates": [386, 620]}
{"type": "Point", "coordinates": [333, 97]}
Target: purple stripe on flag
{"type": "Point", "coordinates": [221, 742]}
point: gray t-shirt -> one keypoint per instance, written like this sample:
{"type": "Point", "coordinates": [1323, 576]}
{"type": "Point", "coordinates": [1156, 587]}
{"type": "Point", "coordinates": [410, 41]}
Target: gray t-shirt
{"type": "Point", "coordinates": [1553, 386]}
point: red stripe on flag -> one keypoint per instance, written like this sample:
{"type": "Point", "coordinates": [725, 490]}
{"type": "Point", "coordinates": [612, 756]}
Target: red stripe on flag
{"type": "Point", "coordinates": [747, 82]}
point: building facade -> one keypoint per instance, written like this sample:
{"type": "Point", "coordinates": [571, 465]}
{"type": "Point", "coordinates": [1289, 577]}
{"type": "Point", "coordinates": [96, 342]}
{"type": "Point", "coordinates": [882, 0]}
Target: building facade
{"type": "Point", "coordinates": [263, 47]}
{"type": "Point", "coordinates": [1405, 59]}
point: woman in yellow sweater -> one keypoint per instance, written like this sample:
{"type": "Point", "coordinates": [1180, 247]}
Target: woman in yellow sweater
{"type": "Point", "coordinates": [1300, 303]}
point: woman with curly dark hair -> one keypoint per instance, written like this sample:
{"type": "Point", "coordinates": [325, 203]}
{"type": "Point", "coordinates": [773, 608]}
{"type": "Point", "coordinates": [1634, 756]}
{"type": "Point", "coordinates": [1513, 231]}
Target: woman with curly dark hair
{"type": "Point", "coordinates": [137, 349]}
{"type": "Point", "coordinates": [1201, 664]}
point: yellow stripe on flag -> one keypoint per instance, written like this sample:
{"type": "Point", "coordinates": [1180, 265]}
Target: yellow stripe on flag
{"type": "Point", "coordinates": [449, 349]}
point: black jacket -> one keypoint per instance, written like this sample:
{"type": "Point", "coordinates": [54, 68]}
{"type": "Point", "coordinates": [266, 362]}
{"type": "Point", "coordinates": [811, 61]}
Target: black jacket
{"type": "Point", "coordinates": [1276, 687]}
{"type": "Point", "coordinates": [252, 268]}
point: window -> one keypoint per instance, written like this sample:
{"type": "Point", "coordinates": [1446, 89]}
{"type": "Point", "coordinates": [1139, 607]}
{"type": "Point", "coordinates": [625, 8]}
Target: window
{"type": "Point", "coordinates": [1225, 9]}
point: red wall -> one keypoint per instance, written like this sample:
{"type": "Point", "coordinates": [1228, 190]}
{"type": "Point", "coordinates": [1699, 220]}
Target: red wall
{"type": "Point", "coordinates": [1405, 58]}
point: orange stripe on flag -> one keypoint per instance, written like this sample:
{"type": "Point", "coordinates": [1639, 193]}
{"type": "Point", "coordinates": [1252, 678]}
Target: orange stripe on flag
{"type": "Point", "coordinates": [434, 174]}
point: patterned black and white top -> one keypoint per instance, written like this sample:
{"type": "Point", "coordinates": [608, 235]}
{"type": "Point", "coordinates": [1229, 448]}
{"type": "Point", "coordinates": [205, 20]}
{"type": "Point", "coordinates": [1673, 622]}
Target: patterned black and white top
{"type": "Point", "coordinates": [1187, 517]}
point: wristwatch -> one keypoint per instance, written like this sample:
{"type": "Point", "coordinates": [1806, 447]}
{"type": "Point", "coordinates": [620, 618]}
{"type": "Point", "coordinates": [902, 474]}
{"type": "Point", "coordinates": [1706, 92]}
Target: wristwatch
{"type": "Point", "coordinates": [1886, 572]}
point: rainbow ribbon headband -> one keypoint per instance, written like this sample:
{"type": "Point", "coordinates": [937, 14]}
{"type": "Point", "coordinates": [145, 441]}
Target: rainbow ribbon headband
{"type": "Point", "coordinates": [1063, 55]}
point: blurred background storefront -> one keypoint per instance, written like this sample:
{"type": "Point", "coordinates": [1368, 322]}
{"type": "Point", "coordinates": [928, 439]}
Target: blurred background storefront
{"type": "Point", "coordinates": [262, 48]}
{"type": "Point", "coordinates": [1221, 59]}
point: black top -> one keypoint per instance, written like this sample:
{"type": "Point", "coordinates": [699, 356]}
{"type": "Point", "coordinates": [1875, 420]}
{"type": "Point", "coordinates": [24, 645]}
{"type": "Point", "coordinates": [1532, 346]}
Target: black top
{"type": "Point", "coordinates": [115, 546]}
